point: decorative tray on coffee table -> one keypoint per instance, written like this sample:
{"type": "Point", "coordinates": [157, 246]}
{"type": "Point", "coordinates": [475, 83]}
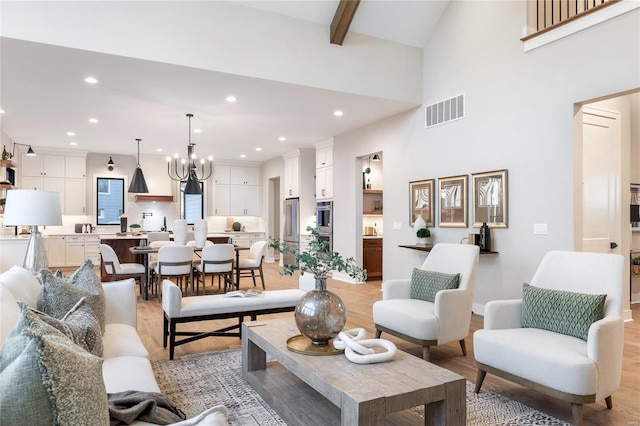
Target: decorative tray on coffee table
{"type": "Point", "coordinates": [303, 345]}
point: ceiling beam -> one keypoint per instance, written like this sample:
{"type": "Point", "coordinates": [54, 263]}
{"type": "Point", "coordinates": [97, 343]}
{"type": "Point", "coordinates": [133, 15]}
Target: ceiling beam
{"type": "Point", "coordinates": [342, 20]}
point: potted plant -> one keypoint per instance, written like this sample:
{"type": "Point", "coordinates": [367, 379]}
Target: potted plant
{"type": "Point", "coordinates": [423, 235]}
{"type": "Point", "coordinates": [2, 203]}
{"type": "Point", "coordinates": [320, 314]}
{"type": "Point", "coordinates": [135, 228]}
{"type": "Point", "coordinates": [636, 265]}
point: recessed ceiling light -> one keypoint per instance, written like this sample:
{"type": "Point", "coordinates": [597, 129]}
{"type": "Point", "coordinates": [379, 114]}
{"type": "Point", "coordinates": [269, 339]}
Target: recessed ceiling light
{"type": "Point", "coordinates": [93, 120]}
{"type": "Point", "coordinates": [197, 131]}
{"type": "Point", "coordinates": [230, 99]}
{"type": "Point", "coordinates": [158, 149]}
{"type": "Point", "coordinates": [1, 111]}
{"type": "Point", "coordinates": [243, 156]}
{"type": "Point", "coordinates": [90, 80]}
{"type": "Point", "coordinates": [71, 133]}
{"type": "Point", "coordinates": [282, 139]}
{"type": "Point", "coordinates": [338, 113]}
{"type": "Point", "coordinates": [73, 143]}
{"type": "Point", "coordinates": [258, 149]}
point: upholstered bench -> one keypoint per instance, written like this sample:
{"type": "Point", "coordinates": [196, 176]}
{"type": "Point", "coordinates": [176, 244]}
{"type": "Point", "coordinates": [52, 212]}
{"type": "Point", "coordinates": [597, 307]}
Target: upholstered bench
{"type": "Point", "coordinates": [178, 309]}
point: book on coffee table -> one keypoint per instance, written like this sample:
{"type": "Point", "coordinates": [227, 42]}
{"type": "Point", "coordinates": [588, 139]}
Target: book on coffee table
{"type": "Point", "coordinates": [245, 293]}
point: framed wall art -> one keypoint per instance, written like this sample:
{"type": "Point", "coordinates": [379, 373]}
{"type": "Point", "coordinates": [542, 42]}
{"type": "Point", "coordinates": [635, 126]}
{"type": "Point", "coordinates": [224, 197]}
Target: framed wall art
{"type": "Point", "coordinates": [453, 202]}
{"type": "Point", "coordinates": [422, 201]}
{"type": "Point", "coordinates": [490, 199]}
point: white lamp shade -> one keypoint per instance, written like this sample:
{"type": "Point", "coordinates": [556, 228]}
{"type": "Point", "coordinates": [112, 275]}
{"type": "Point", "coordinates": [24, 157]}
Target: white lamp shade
{"type": "Point", "coordinates": [26, 207]}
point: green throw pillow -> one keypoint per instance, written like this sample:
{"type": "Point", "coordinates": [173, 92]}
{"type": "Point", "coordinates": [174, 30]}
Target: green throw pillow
{"type": "Point", "coordinates": [45, 379]}
{"type": "Point", "coordinates": [58, 294]}
{"type": "Point", "coordinates": [425, 284]}
{"type": "Point", "coordinates": [561, 311]}
{"type": "Point", "coordinates": [79, 324]}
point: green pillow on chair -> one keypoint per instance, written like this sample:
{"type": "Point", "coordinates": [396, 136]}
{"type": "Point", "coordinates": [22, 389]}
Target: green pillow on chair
{"type": "Point", "coordinates": [425, 284]}
{"type": "Point", "coordinates": [564, 312]}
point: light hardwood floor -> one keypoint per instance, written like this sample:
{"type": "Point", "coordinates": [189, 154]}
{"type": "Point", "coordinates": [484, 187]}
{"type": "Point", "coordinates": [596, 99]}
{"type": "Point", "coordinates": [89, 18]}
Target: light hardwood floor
{"type": "Point", "coordinates": [358, 300]}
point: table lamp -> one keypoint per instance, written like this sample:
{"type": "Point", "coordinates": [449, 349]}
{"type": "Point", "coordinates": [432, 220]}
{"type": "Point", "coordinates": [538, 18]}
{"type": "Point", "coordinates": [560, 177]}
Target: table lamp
{"type": "Point", "coordinates": [33, 208]}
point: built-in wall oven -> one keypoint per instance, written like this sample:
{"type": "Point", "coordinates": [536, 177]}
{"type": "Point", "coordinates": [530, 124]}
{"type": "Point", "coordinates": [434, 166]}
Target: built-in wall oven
{"type": "Point", "coordinates": [324, 213]}
{"type": "Point", "coordinates": [324, 221]}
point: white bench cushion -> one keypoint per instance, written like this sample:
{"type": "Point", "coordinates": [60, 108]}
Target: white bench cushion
{"type": "Point", "coordinates": [219, 304]}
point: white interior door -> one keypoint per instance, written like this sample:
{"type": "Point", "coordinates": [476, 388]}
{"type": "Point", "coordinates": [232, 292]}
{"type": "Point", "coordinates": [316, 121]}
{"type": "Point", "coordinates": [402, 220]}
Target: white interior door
{"type": "Point", "coordinates": [601, 200]}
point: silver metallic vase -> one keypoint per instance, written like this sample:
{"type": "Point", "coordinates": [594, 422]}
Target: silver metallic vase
{"type": "Point", "coordinates": [320, 314]}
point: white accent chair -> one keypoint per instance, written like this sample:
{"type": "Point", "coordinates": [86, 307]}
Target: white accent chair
{"type": "Point", "coordinates": [117, 270]}
{"type": "Point", "coordinates": [426, 323]}
{"type": "Point", "coordinates": [558, 365]}
{"type": "Point", "coordinates": [174, 261]}
{"type": "Point", "coordinates": [217, 259]}
{"type": "Point", "coordinates": [248, 266]}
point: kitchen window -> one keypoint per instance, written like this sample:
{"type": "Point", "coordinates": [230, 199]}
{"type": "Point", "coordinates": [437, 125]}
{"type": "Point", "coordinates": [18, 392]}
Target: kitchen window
{"type": "Point", "coordinates": [110, 200]}
{"type": "Point", "coordinates": [191, 205]}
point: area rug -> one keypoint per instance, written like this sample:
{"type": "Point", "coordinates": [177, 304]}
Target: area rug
{"type": "Point", "coordinates": [197, 382]}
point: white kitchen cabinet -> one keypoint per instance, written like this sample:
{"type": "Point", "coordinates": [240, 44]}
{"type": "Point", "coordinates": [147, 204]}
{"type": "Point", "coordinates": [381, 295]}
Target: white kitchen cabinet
{"type": "Point", "coordinates": [75, 167]}
{"type": "Point", "coordinates": [246, 239]}
{"type": "Point", "coordinates": [222, 175]}
{"type": "Point", "coordinates": [244, 200]}
{"type": "Point", "coordinates": [56, 247]}
{"type": "Point", "coordinates": [244, 175]}
{"type": "Point", "coordinates": [52, 166]}
{"type": "Point", "coordinates": [74, 250]}
{"type": "Point", "coordinates": [292, 176]}
{"type": "Point", "coordinates": [92, 249]}
{"type": "Point", "coordinates": [75, 191]}
{"type": "Point", "coordinates": [324, 156]}
{"type": "Point", "coordinates": [223, 194]}
{"type": "Point", "coordinates": [324, 183]}
{"type": "Point", "coordinates": [324, 171]}
{"type": "Point", "coordinates": [71, 250]}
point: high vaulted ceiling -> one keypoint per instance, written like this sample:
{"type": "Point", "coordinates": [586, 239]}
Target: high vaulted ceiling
{"type": "Point", "coordinates": [43, 95]}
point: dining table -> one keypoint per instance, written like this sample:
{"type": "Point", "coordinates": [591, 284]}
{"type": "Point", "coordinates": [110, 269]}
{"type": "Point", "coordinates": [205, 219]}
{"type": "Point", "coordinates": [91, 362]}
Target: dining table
{"type": "Point", "coordinates": [145, 251]}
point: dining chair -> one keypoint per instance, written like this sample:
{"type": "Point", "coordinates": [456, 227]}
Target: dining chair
{"type": "Point", "coordinates": [117, 270]}
{"type": "Point", "coordinates": [157, 236]}
{"type": "Point", "coordinates": [174, 261]}
{"type": "Point", "coordinates": [217, 259]}
{"type": "Point", "coordinates": [247, 266]}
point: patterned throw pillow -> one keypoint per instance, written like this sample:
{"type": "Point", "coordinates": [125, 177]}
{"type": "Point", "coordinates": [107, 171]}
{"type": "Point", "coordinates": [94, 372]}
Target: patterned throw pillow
{"type": "Point", "coordinates": [45, 379]}
{"type": "Point", "coordinates": [79, 324]}
{"type": "Point", "coordinates": [58, 295]}
{"type": "Point", "coordinates": [561, 311]}
{"type": "Point", "coordinates": [425, 284]}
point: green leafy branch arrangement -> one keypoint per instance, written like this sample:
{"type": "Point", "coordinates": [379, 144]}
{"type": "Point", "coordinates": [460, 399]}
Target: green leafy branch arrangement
{"type": "Point", "coordinates": [318, 260]}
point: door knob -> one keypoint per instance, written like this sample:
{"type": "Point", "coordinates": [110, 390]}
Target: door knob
{"type": "Point", "coordinates": [613, 245]}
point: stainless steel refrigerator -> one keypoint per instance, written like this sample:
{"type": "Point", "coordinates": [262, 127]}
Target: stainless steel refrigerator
{"type": "Point", "coordinates": [291, 233]}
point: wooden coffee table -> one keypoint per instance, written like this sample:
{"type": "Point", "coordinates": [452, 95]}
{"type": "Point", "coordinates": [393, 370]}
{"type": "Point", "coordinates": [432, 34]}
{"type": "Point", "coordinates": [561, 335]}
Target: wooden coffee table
{"type": "Point", "coordinates": [330, 390]}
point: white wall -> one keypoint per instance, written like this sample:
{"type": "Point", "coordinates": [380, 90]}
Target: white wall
{"type": "Point", "coordinates": [519, 116]}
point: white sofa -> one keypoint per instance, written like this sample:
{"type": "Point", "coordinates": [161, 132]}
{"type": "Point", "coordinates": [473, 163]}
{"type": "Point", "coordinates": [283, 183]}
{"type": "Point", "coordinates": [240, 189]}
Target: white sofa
{"type": "Point", "coordinates": [126, 364]}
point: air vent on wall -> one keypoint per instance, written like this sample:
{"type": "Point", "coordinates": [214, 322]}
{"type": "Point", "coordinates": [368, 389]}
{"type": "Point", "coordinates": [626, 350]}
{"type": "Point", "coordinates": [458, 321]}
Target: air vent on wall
{"type": "Point", "coordinates": [444, 111]}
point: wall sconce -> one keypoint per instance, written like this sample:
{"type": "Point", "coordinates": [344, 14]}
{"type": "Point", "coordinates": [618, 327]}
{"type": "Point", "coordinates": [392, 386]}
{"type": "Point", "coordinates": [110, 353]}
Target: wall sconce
{"type": "Point", "coordinates": [110, 164]}
{"type": "Point", "coordinates": [30, 151]}
{"type": "Point", "coordinates": [376, 157]}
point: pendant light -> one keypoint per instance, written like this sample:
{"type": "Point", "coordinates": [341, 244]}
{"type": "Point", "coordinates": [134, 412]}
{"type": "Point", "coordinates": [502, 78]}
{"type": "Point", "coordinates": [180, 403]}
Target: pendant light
{"type": "Point", "coordinates": [189, 172]}
{"type": "Point", "coordinates": [138, 184]}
